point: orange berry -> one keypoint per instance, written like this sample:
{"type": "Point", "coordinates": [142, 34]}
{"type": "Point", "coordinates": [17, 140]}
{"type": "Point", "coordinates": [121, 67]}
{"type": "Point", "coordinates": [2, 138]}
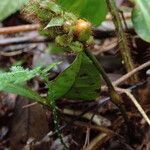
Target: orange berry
{"type": "Point", "coordinates": [82, 25]}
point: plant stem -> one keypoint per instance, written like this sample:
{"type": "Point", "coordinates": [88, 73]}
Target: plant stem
{"type": "Point", "coordinates": [123, 43]}
{"type": "Point", "coordinates": [100, 69]}
{"type": "Point", "coordinates": [115, 97]}
{"type": "Point", "coordinates": [51, 102]}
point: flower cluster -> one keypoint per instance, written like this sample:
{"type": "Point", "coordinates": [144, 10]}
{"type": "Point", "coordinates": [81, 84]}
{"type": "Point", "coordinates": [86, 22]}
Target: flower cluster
{"type": "Point", "coordinates": [65, 28]}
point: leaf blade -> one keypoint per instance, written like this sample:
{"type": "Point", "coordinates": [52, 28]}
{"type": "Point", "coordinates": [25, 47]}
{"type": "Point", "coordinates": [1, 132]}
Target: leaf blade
{"type": "Point", "coordinates": [55, 22]}
{"type": "Point", "coordinates": [88, 82]}
{"type": "Point", "coordinates": [61, 85]}
{"type": "Point", "coordinates": [141, 19]}
{"type": "Point", "coordinates": [87, 9]}
{"type": "Point", "coordinates": [22, 90]}
{"type": "Point", "coordinates": [8, 7]}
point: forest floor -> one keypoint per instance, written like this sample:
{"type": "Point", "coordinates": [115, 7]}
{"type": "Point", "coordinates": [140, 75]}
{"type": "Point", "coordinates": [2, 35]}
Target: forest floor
{"type": "Point", "coordinates": [86, 125]}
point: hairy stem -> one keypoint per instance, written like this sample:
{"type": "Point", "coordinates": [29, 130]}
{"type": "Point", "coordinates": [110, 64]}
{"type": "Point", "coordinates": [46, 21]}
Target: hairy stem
{"type": "Point", "coordinates": [123, 43]}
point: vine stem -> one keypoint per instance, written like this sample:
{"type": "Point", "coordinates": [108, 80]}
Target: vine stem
{"type": "Point", "coordinates": [123, 43]}
{"type": "Point", "coordinates": [115, 97]}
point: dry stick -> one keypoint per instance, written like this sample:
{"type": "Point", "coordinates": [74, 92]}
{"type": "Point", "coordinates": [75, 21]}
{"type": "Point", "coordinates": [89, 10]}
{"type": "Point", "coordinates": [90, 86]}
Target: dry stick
{"type": "Point", "coordinates": [96, 142]}
{"type": "Point", "coordinates": [87, 138]}
{"type": "Point", "coordinates": [17, 29]}
{"type": "Point", "coordinates": [97, 128]}
{"type": "Point", "coordinates": [138, 106]}
{"type": "Point", "coordinates": [128, 75]}
{"type": "Point", "coordinates": [97, 119]}
{"type": "Point", "coordinates": [23, 40]}
{"type": "Point", "coordinates": [124, 48]}
{"type": "Point", "coordinates": [30, 105]}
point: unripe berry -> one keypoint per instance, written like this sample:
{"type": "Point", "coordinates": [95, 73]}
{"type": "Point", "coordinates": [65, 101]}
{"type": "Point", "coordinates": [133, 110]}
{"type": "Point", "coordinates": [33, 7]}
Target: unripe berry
{"type": "Point", "coordinates": [83, 30]}
{"type": "Point", "coordinates": [82, 25]}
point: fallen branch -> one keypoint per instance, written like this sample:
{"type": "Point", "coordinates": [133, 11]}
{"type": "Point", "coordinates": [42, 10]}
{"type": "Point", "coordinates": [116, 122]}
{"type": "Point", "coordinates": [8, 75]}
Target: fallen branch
{"type": "Point", "coordinates": [17, 29]}
{"type": "Point", "coordinates": [97, 119]}
{"type": "Point", "coordinates": [23, 40]}
{"type": "Point", "coordinates": [138, 106]}
{"type": "Point", "coordinates": [97, 128]}
{"type": "Point", "coordinates": [128, 75]}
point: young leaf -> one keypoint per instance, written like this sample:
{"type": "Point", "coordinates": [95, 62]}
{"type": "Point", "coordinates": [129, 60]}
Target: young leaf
{"type": "Point", "coordinates": [55, 22]}
{"type": "Point", "coordinates": [13, 81]}
{"type": "Point", "coordinates": [62, 84]}
{"type": "Point", "coordinates": [49, 67]}
{"type": "Point", "coordinates": [18, 75]}
{"type": "Point", "coordinates": [93, 10]}
{"type": "Point", "coordinates": [52, 6]}
{"type": "Point", "coordinates": [22, 90]}
{"type": "Point", "coordinates": [88, 82]}
{"type": "Point", "coordinates": [141, 18]}
{"type": "Point", "coordinates": [8, 7]}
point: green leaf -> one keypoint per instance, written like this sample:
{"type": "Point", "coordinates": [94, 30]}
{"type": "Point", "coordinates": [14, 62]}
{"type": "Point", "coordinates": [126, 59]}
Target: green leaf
{"type": "Point", "coordinates": [55, 22]}
{"type": "Point", "coordinates": [18, 75]}
{"type": "Point", "coordinates": [141, 18]}
{"type": "Point", "coordinates": [88, 82]}
{"type": "Point", "coordinates": [13, 81]}
{"type": "Point", "coordinates": [8, 7]}
{"type": "Point", "coordinates": [93, 10]}
{"type": "Point", "coordinates": [49, 67]}
{"type": "Point", "coordinates": [22, 90]}
{"type": "Point", "coordinates": [52, 6]}
{"type": "Point", "coordinates": [62, 84]}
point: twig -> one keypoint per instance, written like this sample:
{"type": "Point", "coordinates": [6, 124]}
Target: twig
{"type": "Point", "coordinates": [97, 119]}
{"type": "Point", "coordinates": [13, 50]}
{"type": "Point", "coordinates": [138, 106]}
{"type": "Point", "coordinates": [128, 75]}
{"type": "Point", "coordinates": [17, 29]}
{"type": "Point", "coordinates": [23, 40]}
{"type": "Point", "coordinates": [96, 142]}
{"type": "Point", "coordinates": [102, 138]}
{"type": "Point", "coordinates": [97, 128]}
{"type": "Point", "coordinates": [87, 138]}
{"type": "Point", "coordinates": [30, 105]}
